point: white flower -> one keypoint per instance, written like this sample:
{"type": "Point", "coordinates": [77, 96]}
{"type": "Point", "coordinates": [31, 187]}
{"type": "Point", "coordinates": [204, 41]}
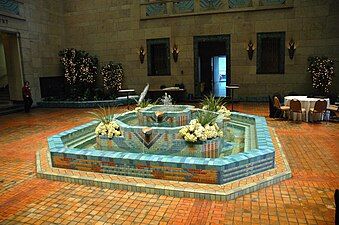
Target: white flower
{"type": "Point", "coordinates": [193, 122]}
{"type": "Point", "coordinates": [196, 132]}
{"type": "Point", "coordinates": [223, 110]}
{"type": "Point", "coordinates": [110, 129]}
{"type": "Point", "coordinates": [191, 127]}
{"type": "Point", "coordinates": [190, 137]}
{"type": "Point", "coordinates": [183, 131]}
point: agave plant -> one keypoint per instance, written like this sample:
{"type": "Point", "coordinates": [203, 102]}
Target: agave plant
{"type": "Point", "coordinates": [103, 114]}
{"type": "Point", "coordinates": [211, 103]}
{"type": "Point", "coordinates": [145, 103]}
{"type": "Point", "coordinates": [206, 117]}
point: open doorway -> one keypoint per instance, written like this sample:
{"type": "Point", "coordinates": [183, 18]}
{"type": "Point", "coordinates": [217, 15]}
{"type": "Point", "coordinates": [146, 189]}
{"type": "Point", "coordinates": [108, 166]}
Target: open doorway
{"type": "Point", "coordinates": [11, 79]}
{"type": "Point", "coordinates": [212, 65]}
{"type": "Point", "coordinates": [4, 89]}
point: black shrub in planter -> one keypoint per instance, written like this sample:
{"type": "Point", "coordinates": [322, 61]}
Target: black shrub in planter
{"type": "Point", "coordinates": [322, 71]}
{"type": "Point", "coordinates": [112, 74]}
{"type": "Point", "coordinates": [80, 71]}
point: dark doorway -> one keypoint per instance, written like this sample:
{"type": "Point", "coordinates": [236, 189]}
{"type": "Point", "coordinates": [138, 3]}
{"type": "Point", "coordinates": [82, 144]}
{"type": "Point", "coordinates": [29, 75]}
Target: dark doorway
{"type": "Point", "coordinates": [11, 78]}
{"type": "Point", "coordinates": [212, 65]}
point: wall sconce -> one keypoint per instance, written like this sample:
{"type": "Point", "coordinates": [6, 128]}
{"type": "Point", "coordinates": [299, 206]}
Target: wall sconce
{"type": "Point", "coordinates": [291, 48]}
{"type": "Point", "coordinates": [250, 50]}
{"type": "Point", "coordinates": [142, 54]}
{"type": "Point", "coordinates": [175, 53]}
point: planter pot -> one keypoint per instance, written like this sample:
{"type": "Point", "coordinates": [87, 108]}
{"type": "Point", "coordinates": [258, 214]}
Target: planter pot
{"type": "Point", "coordinates": [206, 149]}
{"type": "Point", "coordinates": [110, 143]}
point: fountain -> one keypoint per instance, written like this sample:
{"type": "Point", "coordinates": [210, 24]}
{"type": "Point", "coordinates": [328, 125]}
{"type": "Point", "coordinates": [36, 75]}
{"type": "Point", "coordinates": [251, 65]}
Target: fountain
{"type": "Point", "coordinates": [151, 146]}
{"type": "Point", "coordinates": [166, 99]}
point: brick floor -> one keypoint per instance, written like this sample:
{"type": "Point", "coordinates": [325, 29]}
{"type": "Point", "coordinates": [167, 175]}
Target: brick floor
{"type": "Point", "coordinates": [306, 198]}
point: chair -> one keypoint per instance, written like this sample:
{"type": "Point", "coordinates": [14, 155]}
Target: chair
{"type": "Point", "coordinates": [279, 108]}
{"type": "Point", "coordinates": [271, 107]}
{"type": "Point", "coordinates": [319, 108]}
{"type": "Point", "coordinates": [335, 110]}
{"type": "Point", "coordinates": [295, 107]}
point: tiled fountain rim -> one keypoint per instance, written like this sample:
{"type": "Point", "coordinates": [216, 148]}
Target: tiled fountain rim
{"type": "Point", "coordinates": [264, 148]}
{"type": "Point", "coordinates": [121, 117]}
{"type": "Point", "coordinates": [87, 104]}
{"type": "Point", "coordinates": [218, 192]}
{"type": "Point", "coordinates": [185, 108]}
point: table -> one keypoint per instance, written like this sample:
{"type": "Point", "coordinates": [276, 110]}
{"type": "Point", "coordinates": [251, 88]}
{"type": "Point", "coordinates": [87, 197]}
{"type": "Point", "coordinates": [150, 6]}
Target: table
{"type": "Point", "coordinates": [232, 87]}
{"type": "Point", "coordinates": [127, 92]}
{"type": "Point", "coordinates": [306, 103]}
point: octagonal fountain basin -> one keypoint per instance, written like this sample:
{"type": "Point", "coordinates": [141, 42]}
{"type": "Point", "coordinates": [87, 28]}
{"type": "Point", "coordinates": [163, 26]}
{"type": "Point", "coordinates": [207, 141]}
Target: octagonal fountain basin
{"type": "Point", "coordinates": [150, 147]}
{"type": "Point", "coordinates": [157, 132]}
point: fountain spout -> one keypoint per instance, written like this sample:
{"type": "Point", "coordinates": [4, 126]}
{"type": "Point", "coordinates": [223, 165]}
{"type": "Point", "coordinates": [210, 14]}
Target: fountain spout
{"type": "Point", "coordinates": [159, 116]}
{"type": "Point", "coordinates": [166, 99]}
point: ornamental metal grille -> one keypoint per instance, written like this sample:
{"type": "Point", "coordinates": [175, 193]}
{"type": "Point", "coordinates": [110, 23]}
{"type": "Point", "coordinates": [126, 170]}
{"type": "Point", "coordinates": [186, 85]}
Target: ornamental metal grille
{"type": "Point", "coordinates": [9, 6]}
{"type": "Point", "coordinates": [239, 3]}
{"type": "Point", "coordinates": [158, 57]}
{"type": "Point", "coordinates": [271, 53]}
{"type": "Point", "coordinates": [156, 9]}
{"type": "Point", "coordinates": [210, 4]}
{"type": "Point", "coordinates": [183, 6]}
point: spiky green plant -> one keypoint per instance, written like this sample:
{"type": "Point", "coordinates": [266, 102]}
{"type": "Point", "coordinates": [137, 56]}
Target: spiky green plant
{"type": "Point", "coordinates": [211, 103]}
{"type": "Point", "coordinates": [103, 114]}
{"type": "Point", "coordinates": [206, 117]}
{"type": "Point", "coordinates": [144, 103]}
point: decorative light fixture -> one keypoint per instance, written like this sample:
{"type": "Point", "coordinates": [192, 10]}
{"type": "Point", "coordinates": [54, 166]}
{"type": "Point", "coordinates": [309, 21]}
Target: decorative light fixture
{"type": "Point", "coordinates": [250, 50]}
{"type": "Point", "coordinates": [175, 53]}
{"type": "Point", "coordinates": [142, 54]}
{"type": "Point", "coordinates": [291, 48]}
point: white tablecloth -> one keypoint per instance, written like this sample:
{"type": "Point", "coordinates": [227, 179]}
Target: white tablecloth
{"type": "Point", "coordinates": [306, 103]}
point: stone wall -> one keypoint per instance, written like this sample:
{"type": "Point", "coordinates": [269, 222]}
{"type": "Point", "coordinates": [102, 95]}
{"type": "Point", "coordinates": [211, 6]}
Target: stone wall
{"type": "Point", "coordinates": [41, 29]}
{"type": "Point", "coordinates": [113, 31]}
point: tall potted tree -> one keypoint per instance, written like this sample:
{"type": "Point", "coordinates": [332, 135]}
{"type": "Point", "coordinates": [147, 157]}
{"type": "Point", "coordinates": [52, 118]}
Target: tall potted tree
{"type": "Point", "coordinates": [322, 71]}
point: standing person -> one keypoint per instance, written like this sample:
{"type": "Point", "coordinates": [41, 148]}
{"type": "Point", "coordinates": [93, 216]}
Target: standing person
{"type": "Point", "coordinates": [27, 95]}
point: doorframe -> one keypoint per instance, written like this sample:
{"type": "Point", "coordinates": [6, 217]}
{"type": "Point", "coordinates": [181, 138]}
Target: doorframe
{"type": "Point", "coordinates": [209, 38]}
{"type": "Point", "coordinates": [18, 38]}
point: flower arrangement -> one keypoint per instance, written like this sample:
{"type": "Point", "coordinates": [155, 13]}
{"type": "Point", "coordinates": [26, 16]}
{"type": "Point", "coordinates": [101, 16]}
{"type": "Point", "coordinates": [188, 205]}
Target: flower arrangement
{"type": "Point", "coordinates": [110, 129]}
{"type": "Point", "coordinates": [107, 126]}
{"type": "Point", "coordinates": [201, 129]}
{"type": "Point", "coordinates": [211, 103]}
{"type": "Point", "coordinates": [216, 105]}
{"type": "Point", "coordinates": [112, 74]}
{"type": "Point", "coordinates": [227, 113]}
{"type": "Point", "coordinates": [322, 71]}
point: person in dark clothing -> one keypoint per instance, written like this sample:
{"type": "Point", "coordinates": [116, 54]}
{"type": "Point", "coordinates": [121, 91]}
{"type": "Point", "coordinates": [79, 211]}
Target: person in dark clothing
{"type": "Point", "coordinates": [27, 95]}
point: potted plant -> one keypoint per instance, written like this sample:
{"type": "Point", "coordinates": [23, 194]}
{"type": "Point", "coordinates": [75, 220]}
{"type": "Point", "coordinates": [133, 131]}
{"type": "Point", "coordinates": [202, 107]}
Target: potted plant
{"type": "Point", "coordinates": [112, 74]}
{"type": "Point", "coordinates": [216, 105]}
{"type": "Point", "coordinates": [107, 129]}
{"type": "Point", "coordinates": [203, 135]}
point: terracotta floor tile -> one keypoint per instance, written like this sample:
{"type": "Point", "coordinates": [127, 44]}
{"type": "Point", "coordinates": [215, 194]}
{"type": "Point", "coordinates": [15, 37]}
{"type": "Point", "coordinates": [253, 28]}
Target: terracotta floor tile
{"type": "Point", "coordinates": [306, 198]}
